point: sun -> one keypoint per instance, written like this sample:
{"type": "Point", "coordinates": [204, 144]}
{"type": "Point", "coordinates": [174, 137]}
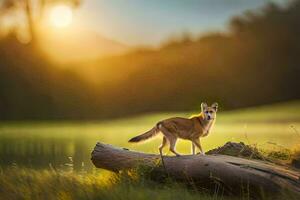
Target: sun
{"type": "Point", "coordinates": [61, 16]}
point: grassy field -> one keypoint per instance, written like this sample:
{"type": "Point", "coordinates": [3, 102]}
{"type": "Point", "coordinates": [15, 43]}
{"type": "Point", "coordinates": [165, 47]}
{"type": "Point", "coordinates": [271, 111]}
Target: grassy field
{"type": "Point", "coordinates": [50, 160]}
{"type": "Point", "coordinates": [31, 184]}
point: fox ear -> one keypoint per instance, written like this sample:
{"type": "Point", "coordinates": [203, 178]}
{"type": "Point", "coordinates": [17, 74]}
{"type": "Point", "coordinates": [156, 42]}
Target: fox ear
{"type": "Point", "coordinates": [203, 106]}
{"type": "Point", "coordinates": [215, 106]}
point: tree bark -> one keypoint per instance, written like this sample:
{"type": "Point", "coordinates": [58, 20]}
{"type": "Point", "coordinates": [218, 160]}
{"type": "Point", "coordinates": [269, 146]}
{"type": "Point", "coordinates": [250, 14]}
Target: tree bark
{"type": "Point", "coordinates": [235, 175]}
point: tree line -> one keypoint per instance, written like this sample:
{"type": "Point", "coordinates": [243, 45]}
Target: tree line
{"type": "Point", "coordinates": [255, 62]}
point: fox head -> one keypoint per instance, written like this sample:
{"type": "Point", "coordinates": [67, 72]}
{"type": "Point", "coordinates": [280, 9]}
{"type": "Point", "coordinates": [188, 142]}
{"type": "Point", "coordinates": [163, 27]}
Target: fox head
{"type": "Point", "coordinates": [209, 112]}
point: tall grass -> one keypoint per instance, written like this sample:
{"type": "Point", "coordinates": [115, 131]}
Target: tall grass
{"type": "Point", "coordinates": [20, 183]}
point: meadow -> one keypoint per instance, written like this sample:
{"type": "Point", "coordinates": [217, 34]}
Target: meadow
{"type": "Point", "coordinates": [51, 159]}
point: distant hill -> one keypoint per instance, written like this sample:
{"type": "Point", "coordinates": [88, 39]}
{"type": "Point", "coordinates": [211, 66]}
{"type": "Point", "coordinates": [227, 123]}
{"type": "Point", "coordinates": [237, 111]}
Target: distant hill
{"type": "Point", "coordinates": [78, 45]}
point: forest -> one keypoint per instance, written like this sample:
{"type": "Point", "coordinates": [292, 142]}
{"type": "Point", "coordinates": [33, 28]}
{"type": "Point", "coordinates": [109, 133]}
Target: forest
{"type": "Point", "coordinates": [256, 61]}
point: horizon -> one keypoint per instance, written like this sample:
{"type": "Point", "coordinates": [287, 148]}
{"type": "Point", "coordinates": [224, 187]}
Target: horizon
{"type": "Point", "coordinates": [171, 18]}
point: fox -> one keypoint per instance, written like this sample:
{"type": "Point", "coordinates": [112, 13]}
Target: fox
{"type": "Point", "coordinates": [192, 129]}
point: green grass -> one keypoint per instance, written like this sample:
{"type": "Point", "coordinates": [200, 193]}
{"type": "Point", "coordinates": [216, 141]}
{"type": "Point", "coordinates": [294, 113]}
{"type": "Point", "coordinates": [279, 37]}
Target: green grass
{"type": "Point", "coordinates": [37, 144]}
{"type": "Point", "coordinates": [30, 151]}
{"type": "Point", "coordinates": [17, 183]}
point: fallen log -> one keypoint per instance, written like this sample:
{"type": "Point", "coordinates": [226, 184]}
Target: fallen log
{"type": "Point", "coordinates": [235, 175]}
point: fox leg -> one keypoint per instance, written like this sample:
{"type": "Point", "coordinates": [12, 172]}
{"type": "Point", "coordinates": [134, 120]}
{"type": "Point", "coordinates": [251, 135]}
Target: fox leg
{"type": "Point", "coordinates": [193, 148]}
{"type": "Point", "coordinates": [163, 144]}
{"type": "Point", "coordinates": [198, 144]}
{"type": "Point", "coordinates": [173, 141]}
{"type": "Point", "coordinates": [170, 138]}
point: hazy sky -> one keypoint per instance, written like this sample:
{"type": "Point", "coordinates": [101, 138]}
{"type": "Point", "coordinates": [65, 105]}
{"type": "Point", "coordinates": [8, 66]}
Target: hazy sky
{"type": "Point", "coordinates": [136, 22]}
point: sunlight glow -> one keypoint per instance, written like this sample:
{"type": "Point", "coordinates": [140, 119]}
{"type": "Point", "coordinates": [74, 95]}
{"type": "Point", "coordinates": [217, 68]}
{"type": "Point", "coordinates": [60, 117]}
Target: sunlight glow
{"type": "Point", "coordinates": [61, 16]}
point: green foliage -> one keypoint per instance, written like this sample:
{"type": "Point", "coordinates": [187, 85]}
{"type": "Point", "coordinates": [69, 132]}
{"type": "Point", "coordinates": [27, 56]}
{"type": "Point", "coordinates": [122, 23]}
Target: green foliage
{"type": "Point", "coordinates": [20, 183]}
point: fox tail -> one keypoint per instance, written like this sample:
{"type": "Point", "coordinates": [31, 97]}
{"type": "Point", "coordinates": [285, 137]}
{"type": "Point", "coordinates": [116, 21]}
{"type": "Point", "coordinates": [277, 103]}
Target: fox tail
{"type": "Point", "coordinates": [145, 136]}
